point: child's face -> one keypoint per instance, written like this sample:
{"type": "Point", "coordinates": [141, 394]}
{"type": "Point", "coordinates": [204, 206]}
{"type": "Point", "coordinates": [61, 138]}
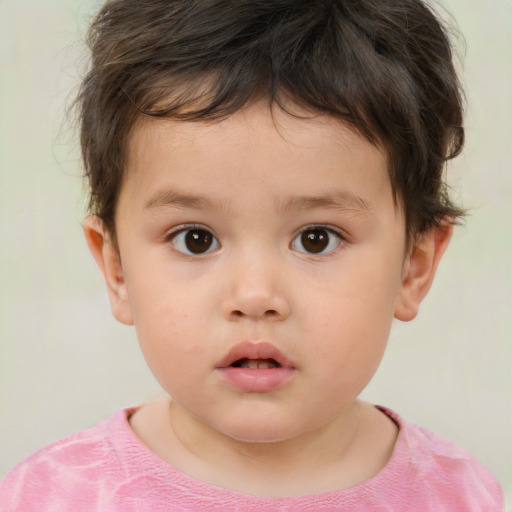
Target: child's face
{"type": "Point", "coordinates": [248, 232]}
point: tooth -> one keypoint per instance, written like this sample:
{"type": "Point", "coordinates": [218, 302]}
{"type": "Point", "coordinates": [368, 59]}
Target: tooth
{"type": "Point", "coordinates": [257, 363]}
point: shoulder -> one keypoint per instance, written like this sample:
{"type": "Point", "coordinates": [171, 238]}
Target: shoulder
{"type": "Point", "coordinates": [60, 470]}
{"type": "Point", "coordinates": [445, 472]}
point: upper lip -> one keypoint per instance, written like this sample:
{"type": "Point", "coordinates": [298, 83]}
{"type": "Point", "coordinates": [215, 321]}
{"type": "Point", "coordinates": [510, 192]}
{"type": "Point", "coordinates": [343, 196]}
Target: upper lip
{"type": "Point", "coordinates": [259, 350]}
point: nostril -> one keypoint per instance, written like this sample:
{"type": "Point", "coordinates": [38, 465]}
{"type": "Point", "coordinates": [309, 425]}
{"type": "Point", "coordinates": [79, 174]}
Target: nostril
{"type": "Point", "coordinates": [270, 307]}
{"type": "Point", "coordinates": [269, 312]}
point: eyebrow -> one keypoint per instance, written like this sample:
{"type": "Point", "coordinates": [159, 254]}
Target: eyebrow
{"type": "Point", "coordinates": [180, 200]}
{"type": "Point", "coordinates": [341, 200]}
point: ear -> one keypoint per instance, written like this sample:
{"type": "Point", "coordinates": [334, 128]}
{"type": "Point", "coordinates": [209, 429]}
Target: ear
{"type": "Point", "coordinates": [419, 269]}
{"type": "Point", "coordinates": [108, 259]}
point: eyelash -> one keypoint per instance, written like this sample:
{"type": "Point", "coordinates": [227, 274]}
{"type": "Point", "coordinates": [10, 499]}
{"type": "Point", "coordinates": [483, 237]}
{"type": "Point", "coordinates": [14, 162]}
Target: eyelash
{"type": "Point", "coordinates": [206, 239]}
{"type": "Point", "coordinates": [173, 238]}
{"type": "Point", "coordinates": [332, 233]}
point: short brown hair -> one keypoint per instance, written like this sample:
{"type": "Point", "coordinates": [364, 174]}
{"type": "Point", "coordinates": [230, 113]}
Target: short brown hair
{"type": "Point", "coordinates": [383, 66]}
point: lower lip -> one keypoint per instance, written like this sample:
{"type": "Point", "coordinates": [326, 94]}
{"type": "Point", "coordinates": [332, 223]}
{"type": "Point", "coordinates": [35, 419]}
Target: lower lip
{"type": "Point", "coordinates": [256, 380]}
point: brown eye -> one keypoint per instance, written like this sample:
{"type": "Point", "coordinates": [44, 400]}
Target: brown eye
{"type": "Point", "coordinates": [195, 241]}
{"type": "Point", "coordinates": [316, 241]}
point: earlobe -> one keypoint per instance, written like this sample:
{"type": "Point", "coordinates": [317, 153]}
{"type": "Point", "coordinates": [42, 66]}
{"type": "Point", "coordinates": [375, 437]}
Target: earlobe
{"type": "Point", "coordinates": [420, 268]}
{"type": "Point", "coordinates": [109, 262]}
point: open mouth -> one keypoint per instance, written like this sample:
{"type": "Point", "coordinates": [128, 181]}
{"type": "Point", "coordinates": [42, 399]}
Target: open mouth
{"type": "Point", "coordinates": [256, 368]}
{"type": "Point", "coordinates": [255, 356]}
{"type": "Point", "coordinates": [255, 363]}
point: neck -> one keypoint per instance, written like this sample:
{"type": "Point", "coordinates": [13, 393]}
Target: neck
{"type": "Point", "coordinates": [350, 448]}
{"type": "Point", "coordinates": [324, 445]}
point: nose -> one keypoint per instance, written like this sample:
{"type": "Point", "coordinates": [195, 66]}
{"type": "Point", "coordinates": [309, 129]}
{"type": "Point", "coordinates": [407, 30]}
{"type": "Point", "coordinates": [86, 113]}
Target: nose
{"type": "Point", "coordinates": [255, 289]}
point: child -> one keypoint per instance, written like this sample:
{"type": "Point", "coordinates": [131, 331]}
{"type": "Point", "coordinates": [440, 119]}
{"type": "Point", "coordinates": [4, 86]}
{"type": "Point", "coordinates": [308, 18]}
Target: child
{"type": "Point", "coordinates": [266, 196]}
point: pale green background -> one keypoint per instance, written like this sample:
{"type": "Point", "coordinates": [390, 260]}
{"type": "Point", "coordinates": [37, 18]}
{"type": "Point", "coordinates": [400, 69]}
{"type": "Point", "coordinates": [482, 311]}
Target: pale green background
{"type": "Point", "coordinates": [65, 364]}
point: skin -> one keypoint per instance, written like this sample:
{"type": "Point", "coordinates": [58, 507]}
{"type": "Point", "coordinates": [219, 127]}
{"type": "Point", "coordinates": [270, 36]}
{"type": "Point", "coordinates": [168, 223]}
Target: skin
{"type": "Point", "coordinates": [256, 181]}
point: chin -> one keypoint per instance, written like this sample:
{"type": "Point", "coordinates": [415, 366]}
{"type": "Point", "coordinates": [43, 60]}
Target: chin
{"type": "Point", "coordinates": [260, 431]}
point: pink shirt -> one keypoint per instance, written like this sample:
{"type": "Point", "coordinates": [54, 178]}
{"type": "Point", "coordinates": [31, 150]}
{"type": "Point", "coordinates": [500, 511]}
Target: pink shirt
{"type": "Point", "coordinates": [107, 468]}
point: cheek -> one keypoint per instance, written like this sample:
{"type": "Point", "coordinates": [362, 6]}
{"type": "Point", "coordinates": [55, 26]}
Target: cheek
{"type": "Point", "coordinates": [170, 324]}
{"type": "Point", "coordinates": [160, 300]}
{"type": "Point", "coordinates": [352, 316]}
{"type": "Point", "coordinates": [174, 349]}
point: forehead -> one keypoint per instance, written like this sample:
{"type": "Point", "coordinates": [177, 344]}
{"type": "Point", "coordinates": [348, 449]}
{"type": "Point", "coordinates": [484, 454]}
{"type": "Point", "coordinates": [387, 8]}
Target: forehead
{"type": "Point", "coordinates": [295, 153]}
